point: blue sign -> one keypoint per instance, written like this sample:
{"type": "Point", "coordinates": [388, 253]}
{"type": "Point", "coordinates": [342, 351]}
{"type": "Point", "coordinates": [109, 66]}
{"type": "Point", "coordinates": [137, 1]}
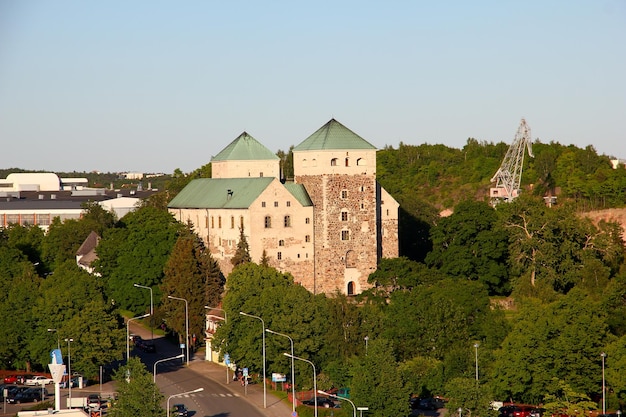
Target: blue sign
{"type": "Point", "coordinates": [226, 358]}
{"type": "Point", "coordinates": [56, 357]}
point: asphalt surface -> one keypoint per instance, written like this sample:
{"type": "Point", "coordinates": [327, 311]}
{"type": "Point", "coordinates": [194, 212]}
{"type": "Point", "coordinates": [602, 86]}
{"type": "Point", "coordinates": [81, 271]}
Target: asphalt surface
{"type": "Point", "coordinates": [220, 396]}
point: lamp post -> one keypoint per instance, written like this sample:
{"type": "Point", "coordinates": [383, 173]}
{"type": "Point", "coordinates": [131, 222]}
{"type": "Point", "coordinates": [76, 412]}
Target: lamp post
{"type": "Point", "coordinates": [314, 378]}
{"type": "Point", "coordinates": [128, 333]}
{"type": "Point", "coordinates": [263, 334]}
{"type": "Point", "coordinates": [293, 385]}
{"type": "Point", "coordinates": [339, 398]}
{"type": "Point", "coordinates": [367, 338]}
{"type": "Point", "coordinates": [603, 355]}
{"type": "Point", "coordinates": [180, 395]}
{"type": "Point", "coordinates": [58, 340]}
{"type": "Point", "coordinates": [151, 307]}
{"type": "Point", "coordinates": [186, 323]}
{"type": "Point", "coordinates": [69, 369]}
{"type": "Point", "coordinates": [476, 350]}
{"type": "Point", "coordinates": [163, 360]}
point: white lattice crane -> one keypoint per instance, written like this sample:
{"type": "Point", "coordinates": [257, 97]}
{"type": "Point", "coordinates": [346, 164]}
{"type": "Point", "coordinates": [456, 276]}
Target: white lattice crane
{"type": "Point", "coordinates": [509, 175]}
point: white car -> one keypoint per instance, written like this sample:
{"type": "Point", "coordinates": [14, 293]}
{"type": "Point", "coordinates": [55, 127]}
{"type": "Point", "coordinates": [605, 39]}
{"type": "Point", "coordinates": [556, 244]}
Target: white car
{"type": "Point", "coordinates": [38, 380]}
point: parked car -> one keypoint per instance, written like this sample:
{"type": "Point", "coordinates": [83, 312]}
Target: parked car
{"type": "Point", "coordinates": [21, 379]}
{"type": "Point", "coordinates": [180, 410]}
{"type": "Point", "coordinates": [38, 380]}
{"type": "Point", "coordinates": [321, 402]}
{"type": "Point", "coordinates": [28, 395]}
{"type": "Point", "coordinates": [93, 401]}
{"type": "Point", "coordinates": [10, 379]}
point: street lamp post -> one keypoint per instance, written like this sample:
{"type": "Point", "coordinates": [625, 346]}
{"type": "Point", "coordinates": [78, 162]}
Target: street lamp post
{"type": "Point", "coordinates": [314, 378]}
{"type": "Point", "coordinates": [128, 333]}
{"type": "Point", "coordinates": [603, 355]}
{"type": "Point", "coordinates": [293, 385]}
{"type": "Point", "coordinates": [186, 323]}
{"type": "Point", "coordinates": [476, 350]}
{"type": "Point", "coordinates": [367, 338]}
{"type": "Point", "coordinates": [163, 360]}
{"type": "Point", "coordinates": [339, 398]}
{"type": "Point", "coordinates": [69, 369]}
{"type": "Point", "coordinates": [180, 395]}
{"type": "Point", "coordinates": [263, 334]}
{"type": "Point", "coordinates": [151, 307]}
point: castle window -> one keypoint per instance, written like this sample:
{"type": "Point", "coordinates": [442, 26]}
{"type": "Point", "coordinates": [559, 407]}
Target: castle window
{"type": "Point", "coordinates": [279, 255]}
{"type": "Point", "coordinates": [344, 216]}
{"type": "Point", "coordinates": [362, 188]}
{"type": "Point", "coordinates": [347, 162]}
{"type": "Point", "coordinates": [344, 193]}
{"type": "Point", "coordinates": [275, 203]}
{"type": "Point", "coordinates": [219, 222]}
{"type": "Point", "coordinates": [345, 235]}
{"type": "Point", "coordinates": [351, 288]}
{"type": "Point", "coordinates": [261, 174]}
{"type": "Point", "coordinates": [304, 163]}
{"type": "Point", "coordinates": [360, 161]}
{"type": "Point", "coordinates": [287, 221]}
{"type": "Point", "coordinates": [281, 243]}
{"type": "Point", "coordinates": [268, 222]}
{"type": "Point", "coordinates": [212, 222]}
{"type": "Point", "coordinates": [307, 238]}
{"type": "Point", "coordinates": [206, 222]}
{"type": "Point", "coordinates": [362, 206]}
{"type": "Point", "coordinates": [262, 203]}
{"type": "Point", "coordinates": [241, 221]}
{"type": "Point", "coordinates": [288, 203]}
{"type": "Point", "coordinates": [333, 162]}
{"type": "Point", "coordinates": [307, 220]}
{"type": "Point", "coordinates": [350, 259]}
{"type": "Point", "coordinates": [232, 222]}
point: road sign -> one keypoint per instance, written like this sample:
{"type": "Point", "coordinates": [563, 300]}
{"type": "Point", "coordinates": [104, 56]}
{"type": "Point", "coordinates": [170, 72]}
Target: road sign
{"type": "Point", "coordinates": [245, 372]}
{"type": "Point", "coordinates": [226, 358]}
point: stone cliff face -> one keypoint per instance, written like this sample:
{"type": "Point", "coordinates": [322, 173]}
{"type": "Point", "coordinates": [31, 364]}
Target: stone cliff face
{"type": "Point", "coordinates": [610, 215]}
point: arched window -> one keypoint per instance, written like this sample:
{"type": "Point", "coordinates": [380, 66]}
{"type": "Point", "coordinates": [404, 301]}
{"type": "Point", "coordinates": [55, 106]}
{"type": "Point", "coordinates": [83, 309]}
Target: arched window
{"type": "Point", "coordinates": [347, 162]}
{"type": "Point", "coordinates": [360, 161]}
{"type": "Point", "coordinates": [333, 162]}
{"type": "Point", "coordinates": [351, 259]}
{"type": "Point", "coordinates": [281, 243]}
{"type": "Point", "coordinates": [351, 288]}
{"type": "Point", "coordinates": [268, 222]}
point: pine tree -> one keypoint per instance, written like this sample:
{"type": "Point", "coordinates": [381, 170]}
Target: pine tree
{"type": "Point", "coordinates": [265, 260]}
{"type": "Point", "coordinates": [242, 255]}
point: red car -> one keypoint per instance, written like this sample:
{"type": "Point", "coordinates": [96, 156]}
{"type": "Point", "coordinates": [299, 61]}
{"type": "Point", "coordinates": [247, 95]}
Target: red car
{"type": "Point", "coordinates": [10, 379]}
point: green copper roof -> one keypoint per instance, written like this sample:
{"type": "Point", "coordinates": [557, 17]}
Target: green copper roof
{"type": "Point", "coordinates": [214, 193]}
{"type": "Point", "coordinates": [244, 148]}
{"type": "Point", "coordinates": [333, 135]}
{"type": "Point", "coordinates": [300, 194]}
{"type": "Point", "coordinates": [230, 193]}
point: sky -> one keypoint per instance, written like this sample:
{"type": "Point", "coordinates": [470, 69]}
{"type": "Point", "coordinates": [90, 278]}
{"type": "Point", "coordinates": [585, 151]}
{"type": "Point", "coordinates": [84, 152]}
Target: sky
{"type": "Point", "coordinates": [153, 86]}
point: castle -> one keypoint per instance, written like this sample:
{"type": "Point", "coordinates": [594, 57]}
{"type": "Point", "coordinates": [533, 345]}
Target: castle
{"type": "Point", "coordinates": [328, 227]}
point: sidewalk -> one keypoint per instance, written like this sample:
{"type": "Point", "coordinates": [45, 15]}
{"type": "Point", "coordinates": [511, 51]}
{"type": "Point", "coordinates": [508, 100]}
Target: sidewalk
{"type": "Point", "coordinates": [275, 407]}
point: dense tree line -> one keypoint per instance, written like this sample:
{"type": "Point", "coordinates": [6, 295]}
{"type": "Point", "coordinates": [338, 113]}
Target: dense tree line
{"type": "Point", "coordinates": [529, 296]}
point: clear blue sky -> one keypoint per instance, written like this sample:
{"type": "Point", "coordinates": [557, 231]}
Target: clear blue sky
{"type": "Point", "coordinates": [149, 85]}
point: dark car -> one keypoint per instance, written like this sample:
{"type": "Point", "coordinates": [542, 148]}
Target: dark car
{"type": "Point", "coordinates": [28, 395]}
{"type": "Point", "coordinates": [180, 410]}
{"type": "Point", "coordinates": [321, 402]}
